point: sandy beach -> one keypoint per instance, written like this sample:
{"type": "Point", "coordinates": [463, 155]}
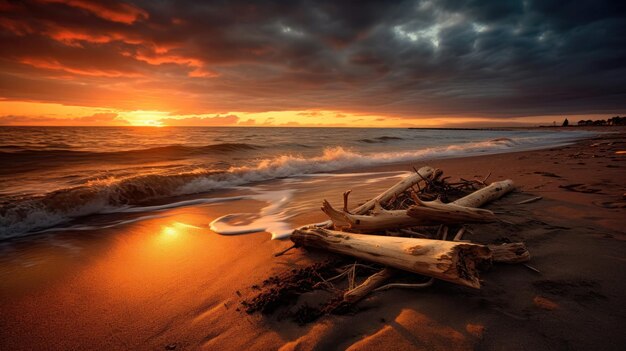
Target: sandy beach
{"type": "Point", "coordinates": [169, 283]}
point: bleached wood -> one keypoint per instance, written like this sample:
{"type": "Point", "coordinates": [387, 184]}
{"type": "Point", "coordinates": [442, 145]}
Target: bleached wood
{"type": "Point", "coordinates": [371, 283]}
{"type": "Point", "coordinates": [397, 189]}
{"type": "Point", "coordinates": [446, 260]}
{"type": "Point", "coordinates": [487, 194]}
{"type": "Point", "coordinates": [412, 180]}
{"type": "Point", "coordinates": [435, 212]}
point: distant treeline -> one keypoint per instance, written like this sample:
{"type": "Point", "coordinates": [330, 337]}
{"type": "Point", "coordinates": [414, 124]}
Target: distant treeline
{"type": "Point", "coordinates": [613, 121]}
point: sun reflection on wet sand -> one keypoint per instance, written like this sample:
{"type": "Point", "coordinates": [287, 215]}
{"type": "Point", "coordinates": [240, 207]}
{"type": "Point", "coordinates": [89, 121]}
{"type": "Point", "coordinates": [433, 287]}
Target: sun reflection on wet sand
{"type": "Point", "coordinates": [174, 231]}
{"type": "Point", "coordinates": [150, 283]}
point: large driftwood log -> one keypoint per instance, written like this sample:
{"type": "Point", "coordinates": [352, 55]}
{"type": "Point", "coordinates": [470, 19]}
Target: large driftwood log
{"type": "Point", "coordinates": [435, 212]}
{"type": "Point", "coordinates": [446, 260]}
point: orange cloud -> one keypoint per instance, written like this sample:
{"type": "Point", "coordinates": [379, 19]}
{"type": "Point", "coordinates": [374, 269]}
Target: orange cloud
{"type": "Point", "coordinates": [199, 70]}
{"type": "Point", "coordinates": [109, 10]}
{"type": "Point", "coordinates": [97, 119]}
{"type": "Point", "coordinates": [56, 65]}
{"type": "Point", "coordinates": [70, 37]}
{"type": "Point", "coordinates": [17, 27]}
{"type": "Point", "coordinates": [66, 35]}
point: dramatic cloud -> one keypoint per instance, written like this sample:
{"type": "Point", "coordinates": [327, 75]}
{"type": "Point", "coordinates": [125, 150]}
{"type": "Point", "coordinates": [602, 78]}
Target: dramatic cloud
{"type": "Point", "coordinates": [406, 59]}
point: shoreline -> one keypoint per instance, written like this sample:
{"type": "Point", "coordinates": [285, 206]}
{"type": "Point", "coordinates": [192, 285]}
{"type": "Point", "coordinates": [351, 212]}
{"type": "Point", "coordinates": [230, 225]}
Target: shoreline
{"type": "Point", "coordinates": [171, 281]}
{"type": "Point", "coordinates": [80, 202]}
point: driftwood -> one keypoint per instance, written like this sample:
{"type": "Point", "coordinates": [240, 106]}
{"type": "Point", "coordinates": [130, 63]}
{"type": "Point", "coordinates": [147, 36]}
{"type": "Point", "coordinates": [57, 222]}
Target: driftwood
{"type": "Point", "coordinates": [435, 212]}
{"type": "Point", "coordinates": [427, 213]}
{"type": "Point", "coordinates": [509, 253]}
{"type": "Point", "coordinates": [527, 201]}
{"type": "Point", "coordinates": [430, 254]}
{"type": "Point", "coordinates": [371, 283]}
{"type": "Point", "coordinates": [487, 194]}
{"type": "Point", "coordinates": [451, 261]}
{"type": "Point", "coordinates": [446, 260]}
{"type": "Point", "coordinates": [416, 178]}
{"type": "Point", "coordinates": [458, 210]}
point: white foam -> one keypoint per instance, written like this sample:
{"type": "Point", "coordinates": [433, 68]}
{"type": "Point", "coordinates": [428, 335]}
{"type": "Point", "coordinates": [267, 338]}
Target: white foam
{"type": "Point", "coordinates": [108, 196]}
{"type": "Point", "coordinates": [271, 219]}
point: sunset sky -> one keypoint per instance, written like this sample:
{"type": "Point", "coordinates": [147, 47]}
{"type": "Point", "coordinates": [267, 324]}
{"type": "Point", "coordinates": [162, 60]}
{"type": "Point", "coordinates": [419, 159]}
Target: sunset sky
{"type": "Point", "coordinates": [310, 63]}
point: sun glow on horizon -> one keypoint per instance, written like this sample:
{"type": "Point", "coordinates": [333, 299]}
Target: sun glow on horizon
{"type": "Point", "coordinates": [22, 113]}
{"type": "Point", "coordinates": [143, 118]}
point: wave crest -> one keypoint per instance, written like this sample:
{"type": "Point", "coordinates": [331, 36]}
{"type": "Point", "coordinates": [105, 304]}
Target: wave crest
{"type": "Point", "coordinates": [20, 216]}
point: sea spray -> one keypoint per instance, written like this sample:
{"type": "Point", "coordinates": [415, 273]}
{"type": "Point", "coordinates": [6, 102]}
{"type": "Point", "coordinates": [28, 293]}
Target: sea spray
{"type": "Point", "coordinates": [23, 214]}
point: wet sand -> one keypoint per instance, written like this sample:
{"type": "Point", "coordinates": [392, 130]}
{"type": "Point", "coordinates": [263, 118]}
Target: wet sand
{"type": "Point", "coordinates": [170, 283]}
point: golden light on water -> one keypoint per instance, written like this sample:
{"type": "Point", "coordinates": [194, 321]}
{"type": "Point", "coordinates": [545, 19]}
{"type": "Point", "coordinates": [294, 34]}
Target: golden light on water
{"type": "Point", "coordinates": [174, 232]}
{"type": "Point", "coordinates": [169, 232]}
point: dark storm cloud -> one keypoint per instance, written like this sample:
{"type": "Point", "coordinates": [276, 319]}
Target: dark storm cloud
{"type": "Point", "coordinates": [404, 58]}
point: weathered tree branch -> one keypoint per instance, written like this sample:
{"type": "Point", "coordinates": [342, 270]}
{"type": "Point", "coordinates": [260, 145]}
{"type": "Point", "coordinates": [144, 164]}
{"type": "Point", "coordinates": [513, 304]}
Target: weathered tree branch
{"type": "Point", "coordinates": [435, 212]}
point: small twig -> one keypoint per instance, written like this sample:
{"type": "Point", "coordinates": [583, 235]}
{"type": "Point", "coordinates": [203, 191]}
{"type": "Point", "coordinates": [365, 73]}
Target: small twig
{"type": "Point", "coordinates": [415, 198]}
{"type": "Point", "coordinates": [406, 286]}
{"type": "Point", "coordinates": [360, 265]}
{"type": "Point", "coordinates": [527, 201]}
{"type": "Point", "coordinates": [351, 277]}
{"type": "Point", "coordinates": [485, 180]}
{"type": "Point", "coordinates": [338, 275]}
{"type": "Point", "coordinates": [280, 253]}
{"type": "Point", "coordinates": [439, 229]}
{"type": "Point", "coordinates": [459, 234]}
{"type": "Point", "coordinates": [410, 232]}
{"type": "Point", "coordinates": [324, 282]}
{"type": "Point", "coordinates": [444, 234]}
{"type": "Point", "coordinates": [345, 201]}
{"type": "Point", "coordinates": [532, 268]}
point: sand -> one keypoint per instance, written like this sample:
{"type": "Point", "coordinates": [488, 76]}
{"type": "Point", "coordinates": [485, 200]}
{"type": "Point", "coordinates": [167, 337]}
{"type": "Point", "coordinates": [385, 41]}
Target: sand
{"type": "Point", "coordinates": [169, 283]}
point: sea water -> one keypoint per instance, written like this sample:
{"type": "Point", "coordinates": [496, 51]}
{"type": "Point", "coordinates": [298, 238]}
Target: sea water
{"type": "Point", "coordinates": [52, 175]}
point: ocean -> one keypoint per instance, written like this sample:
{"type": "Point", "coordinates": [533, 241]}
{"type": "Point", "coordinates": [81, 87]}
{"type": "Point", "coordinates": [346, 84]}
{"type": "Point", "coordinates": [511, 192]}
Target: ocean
{"type": "Point", "coordinates": [52, 176]}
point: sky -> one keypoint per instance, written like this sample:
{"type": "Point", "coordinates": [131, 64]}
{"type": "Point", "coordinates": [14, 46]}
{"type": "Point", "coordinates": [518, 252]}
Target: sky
{"type": "Point", "coordinates": [311, 63]}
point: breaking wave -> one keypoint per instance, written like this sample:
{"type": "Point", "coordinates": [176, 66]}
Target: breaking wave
{"type": "Point", "coordinates": [20, 216]}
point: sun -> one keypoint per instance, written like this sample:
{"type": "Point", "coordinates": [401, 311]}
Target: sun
{"type": "Point", "coordinates": [143, 118]}
{"type": "Point", "coordinates": [152, 123]}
